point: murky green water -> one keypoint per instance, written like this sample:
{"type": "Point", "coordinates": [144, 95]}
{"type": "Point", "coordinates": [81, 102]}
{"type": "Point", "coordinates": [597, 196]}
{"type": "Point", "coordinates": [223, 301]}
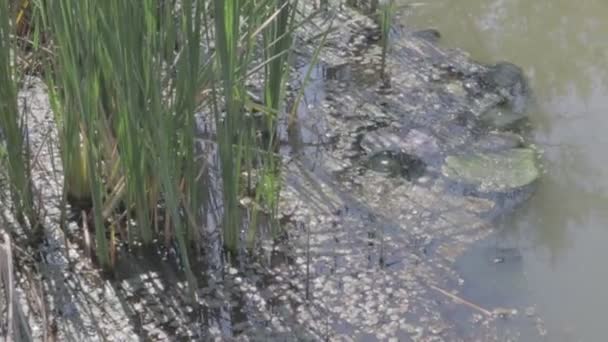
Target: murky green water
{"type": "Point", "coordinates": [557, 247]}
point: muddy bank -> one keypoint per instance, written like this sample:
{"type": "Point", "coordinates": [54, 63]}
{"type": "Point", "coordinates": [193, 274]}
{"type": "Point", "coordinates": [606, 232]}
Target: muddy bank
{"type": "Point", "coordinates": [374, 211]}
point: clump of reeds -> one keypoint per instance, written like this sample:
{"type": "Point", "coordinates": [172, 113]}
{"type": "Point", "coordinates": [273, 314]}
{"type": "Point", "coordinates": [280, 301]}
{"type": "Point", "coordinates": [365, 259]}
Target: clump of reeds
{"type": "Point", "coordinates": [245, 139]}
{"type": "Point", "coordinates": [126, 81]}
{"type": "Point", "coordinates": [125, 113]}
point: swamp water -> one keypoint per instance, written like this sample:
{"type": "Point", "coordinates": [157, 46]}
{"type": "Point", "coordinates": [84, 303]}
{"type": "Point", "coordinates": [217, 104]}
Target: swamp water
{"type": "Point", "coordinates": [552, 253]}
{"type": "Point", "coordinates": [363, 256]}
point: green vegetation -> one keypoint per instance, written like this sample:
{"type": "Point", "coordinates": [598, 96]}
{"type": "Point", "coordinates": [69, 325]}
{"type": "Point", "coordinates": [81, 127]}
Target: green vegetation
{"type": "Point", "coordinates": [387, 11]}
{"type": "Point", "coordinates": [12, 125]}
{"type": "Point", "coordinates": [126, 81]}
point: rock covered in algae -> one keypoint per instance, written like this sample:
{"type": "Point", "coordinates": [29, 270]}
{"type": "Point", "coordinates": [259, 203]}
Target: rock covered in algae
{"type": "Point", "coordinates": [500, 171]}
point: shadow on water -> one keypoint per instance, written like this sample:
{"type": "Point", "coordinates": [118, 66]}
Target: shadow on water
{"type": "Point", "coordinates": [233, 299]}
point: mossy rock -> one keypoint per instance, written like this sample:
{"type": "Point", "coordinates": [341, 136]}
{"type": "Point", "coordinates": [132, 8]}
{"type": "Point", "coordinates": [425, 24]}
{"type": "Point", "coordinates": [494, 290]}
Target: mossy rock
{"type": "Point", "coordinates": [489, 172]}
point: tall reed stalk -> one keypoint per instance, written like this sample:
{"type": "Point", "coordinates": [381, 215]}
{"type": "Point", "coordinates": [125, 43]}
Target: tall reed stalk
{"type": "Point", "coordinates": [228, 124]}
{"type": "Point", "coordinates": [387, 9]}
{"type": "Point", "coordinates": [12, 123]}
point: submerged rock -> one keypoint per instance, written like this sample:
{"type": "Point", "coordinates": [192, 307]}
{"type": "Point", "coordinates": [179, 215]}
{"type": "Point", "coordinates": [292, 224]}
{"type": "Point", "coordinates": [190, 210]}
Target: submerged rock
{"type": "Point", "coordinates": [395, 163]}
{"type": "Point", "coordinates": [414, 142]}
{"type": "Point", "coordinates": [498, 141]}
{"type": "Point", "coordinates": [431, 35]}
{"type": "Point", "coordinates": [504, 75]}
{"type": "Point", "coordinates": [508, 79]}
{"type": "Point", "coordinates": [491, 172]}
{"type": "Point", "coordinates": [503, 118]}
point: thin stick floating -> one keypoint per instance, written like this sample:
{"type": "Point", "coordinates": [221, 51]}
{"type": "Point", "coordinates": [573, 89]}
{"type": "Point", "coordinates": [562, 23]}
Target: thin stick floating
{"type": "Point", "coordinates": [462, 301]}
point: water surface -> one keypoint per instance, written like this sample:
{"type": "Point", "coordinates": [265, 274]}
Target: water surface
{"type": "Point", "coordinates": [556, 247]}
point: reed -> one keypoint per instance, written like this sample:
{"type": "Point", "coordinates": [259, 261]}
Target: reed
{"type": "Point", "coordinates": [13, 125]}
{"type": "Point", "coordinates": [247, 140]}
{"type": "Point", "coordinates": [277, 42]}
{"type": "Point", "coordinates": [126, 81]}
{"type": "Point", "coordinates": [125, 101]}
{"type": "Point", "coordinates": [230, 132]}
{"type": "Point", "coordinates": [387, 10]}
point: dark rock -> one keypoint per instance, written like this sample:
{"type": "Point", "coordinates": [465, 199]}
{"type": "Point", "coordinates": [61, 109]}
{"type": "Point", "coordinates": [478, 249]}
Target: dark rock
{"type": "Point", "coordinates": [503, 118]}
{"type": "Point", "coordinates": [508, 80]}
{"type": "Point", "coordinates": [431, 35]}
{"type": "Point", "coordinates": [504, 75]}
{"type": "Point", "coordinates": [396, 163]}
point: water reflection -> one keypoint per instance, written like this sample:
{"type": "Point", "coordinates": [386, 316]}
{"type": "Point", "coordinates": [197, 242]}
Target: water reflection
{"type": "Point", "coordinates": [562, 232]}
